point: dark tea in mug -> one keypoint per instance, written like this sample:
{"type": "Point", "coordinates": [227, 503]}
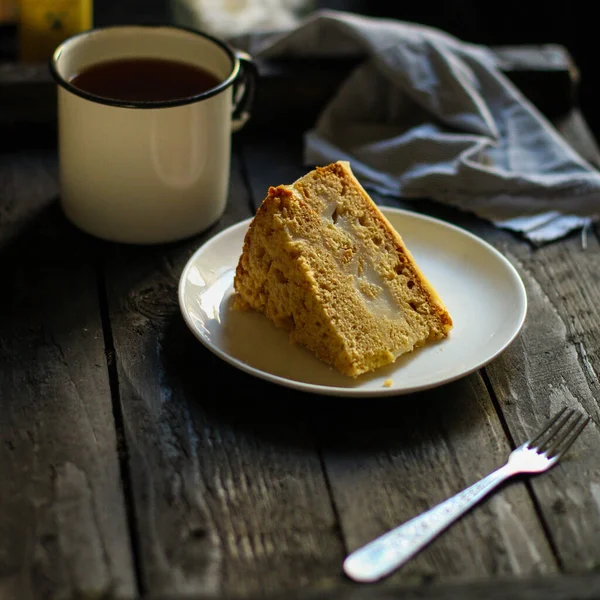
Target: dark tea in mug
{"type": "Point", "coordinates": [144, 80]}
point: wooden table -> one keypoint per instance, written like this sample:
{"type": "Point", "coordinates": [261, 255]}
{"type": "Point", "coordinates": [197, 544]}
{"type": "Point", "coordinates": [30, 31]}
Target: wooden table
{"type": "Point", "coordinates": [135, 463]}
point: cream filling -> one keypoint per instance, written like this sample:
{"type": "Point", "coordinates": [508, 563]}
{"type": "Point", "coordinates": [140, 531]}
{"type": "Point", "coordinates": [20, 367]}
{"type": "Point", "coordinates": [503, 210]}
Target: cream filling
{"type": "Point", "coordinates": [383, 303]}
{"type": "Point", "coordinates": [379, 302]}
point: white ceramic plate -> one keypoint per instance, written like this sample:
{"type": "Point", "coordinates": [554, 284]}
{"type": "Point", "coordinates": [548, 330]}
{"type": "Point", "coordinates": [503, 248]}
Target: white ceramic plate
{"type": "Point", "coordinates": [481, 289]}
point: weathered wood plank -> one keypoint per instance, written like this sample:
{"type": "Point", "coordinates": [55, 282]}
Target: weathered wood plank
{"type": "Point", "coordinates": [229, 492]}
{"type": "Point", "coordinates": [549, 587]}
{"type": "Point", "coordinates": [554, 363]}
{"type": "Point", "coordinates": [63, 529]}
{"type": "Point", "coordinates": [388, 460]}
{"type": "Point", "coordinates": [405, 456]}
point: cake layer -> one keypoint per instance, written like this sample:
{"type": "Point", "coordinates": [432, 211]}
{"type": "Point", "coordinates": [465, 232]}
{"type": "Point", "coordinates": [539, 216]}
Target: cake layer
{"type": "Point", "coordinates": [323, 262]}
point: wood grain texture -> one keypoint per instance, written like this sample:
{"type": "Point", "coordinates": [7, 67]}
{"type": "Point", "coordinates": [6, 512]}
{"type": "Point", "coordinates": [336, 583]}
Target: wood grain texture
{"type": "Point", "coordinates": [229, 492]}
{"type": "Point", "coordinates": [63, 529]}
{"type": "Point", "coordinates": [389, 459]}
{"type": "Point", "coordinates": [554, 363]}
{"type": "Point", "coordinates": [550, 587]}
{"type": "Point", "coordinates": [407, 455]}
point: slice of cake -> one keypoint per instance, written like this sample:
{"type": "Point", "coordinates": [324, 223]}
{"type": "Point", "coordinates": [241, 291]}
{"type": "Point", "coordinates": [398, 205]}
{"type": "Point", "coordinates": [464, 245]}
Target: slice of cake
{"type": "Point", "coordinates": [321, 261]}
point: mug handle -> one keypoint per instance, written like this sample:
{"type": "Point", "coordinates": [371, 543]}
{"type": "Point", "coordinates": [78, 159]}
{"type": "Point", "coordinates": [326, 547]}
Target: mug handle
{"type": "Point", "coordinates": [244, 89]}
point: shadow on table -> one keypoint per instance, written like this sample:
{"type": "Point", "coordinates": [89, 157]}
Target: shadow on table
{"type": "Point", "coordinates": [234, 399]}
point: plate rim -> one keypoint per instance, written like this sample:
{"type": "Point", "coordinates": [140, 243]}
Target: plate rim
{"type": "Point", "coordinates": [321, 389]}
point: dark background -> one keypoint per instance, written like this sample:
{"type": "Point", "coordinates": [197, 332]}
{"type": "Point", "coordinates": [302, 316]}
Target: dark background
{"type": "Point", "coordinates": [504, 22]}
{"type": "Point", "coordinates": [571, 24]}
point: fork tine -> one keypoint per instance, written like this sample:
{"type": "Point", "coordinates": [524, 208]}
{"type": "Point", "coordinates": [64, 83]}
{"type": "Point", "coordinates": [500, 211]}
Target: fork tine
{"type": "Point", "coordinates": [567, 440]}
{"type": "Point", "coordinates": [561, 434]}
{"type": "Point", "coordinates": [548, 430]}
{"type": "Point", "coordinates": [562, 429]}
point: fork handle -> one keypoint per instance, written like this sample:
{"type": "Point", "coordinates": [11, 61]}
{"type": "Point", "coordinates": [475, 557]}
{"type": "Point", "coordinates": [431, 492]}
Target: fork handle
{"type": "Point", "coordinates": [391, 550]}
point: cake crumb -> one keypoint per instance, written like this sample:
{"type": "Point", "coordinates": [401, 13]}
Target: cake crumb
{"type": "Point", "coordinates": [387, 383]}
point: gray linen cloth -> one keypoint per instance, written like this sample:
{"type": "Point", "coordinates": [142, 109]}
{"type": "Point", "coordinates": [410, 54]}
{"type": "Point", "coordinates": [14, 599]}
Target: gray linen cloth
{"type": "Point", "coordinates": [427, 115]}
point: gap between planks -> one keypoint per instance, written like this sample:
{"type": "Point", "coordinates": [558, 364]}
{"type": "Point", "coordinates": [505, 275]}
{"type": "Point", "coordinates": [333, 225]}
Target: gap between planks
{"type": "Point", "coordinates": [122, 445]}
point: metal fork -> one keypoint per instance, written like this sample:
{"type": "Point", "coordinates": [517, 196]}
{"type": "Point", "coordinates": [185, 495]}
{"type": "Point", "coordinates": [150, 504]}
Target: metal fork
{"type": "Point", "coordinates": [386, 553]}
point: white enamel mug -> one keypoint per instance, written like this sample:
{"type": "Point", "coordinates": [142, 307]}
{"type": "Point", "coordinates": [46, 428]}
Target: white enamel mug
{"type": "Point", "coordinates": [148, 172]}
